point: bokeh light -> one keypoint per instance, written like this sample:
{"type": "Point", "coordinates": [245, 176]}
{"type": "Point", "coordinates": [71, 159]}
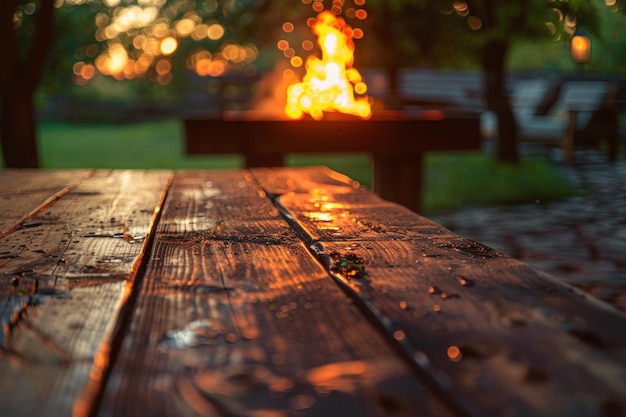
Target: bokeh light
{"type": "Point", "coordinates": [296, 62]}
{"type": "Point", "coordinates": [282, 44]}
{"type": "Point", "coordinates": [318, 6]}
{"type": "Point", "coordinates": [474, 23]}
{"type": "Point", "coordinates": [168, 45]}
{"type": "Point", "coordinates": [133, 37]}
{"type": "Point", "coordinates": [215, 31]}
{"type": "Point", "coordinates": [461, 8]}
{"type": "Point", "coordinates": [454, 353]}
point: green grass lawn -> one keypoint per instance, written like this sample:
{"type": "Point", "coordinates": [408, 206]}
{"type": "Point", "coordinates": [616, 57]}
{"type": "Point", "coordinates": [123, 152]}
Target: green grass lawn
{"type": "Point", "coordinates": [453, 180]}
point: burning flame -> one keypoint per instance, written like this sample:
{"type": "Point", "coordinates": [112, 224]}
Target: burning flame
{"type": "Point", "coordinates": [329, 83]}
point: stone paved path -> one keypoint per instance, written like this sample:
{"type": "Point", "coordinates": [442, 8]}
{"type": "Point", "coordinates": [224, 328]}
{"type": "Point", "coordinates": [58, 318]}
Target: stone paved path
{"type": "Point", "coordinates": [582, 239]}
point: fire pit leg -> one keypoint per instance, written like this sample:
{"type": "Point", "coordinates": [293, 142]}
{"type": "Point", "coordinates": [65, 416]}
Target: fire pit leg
{"type": "Point", "coordinates": [398, 178]}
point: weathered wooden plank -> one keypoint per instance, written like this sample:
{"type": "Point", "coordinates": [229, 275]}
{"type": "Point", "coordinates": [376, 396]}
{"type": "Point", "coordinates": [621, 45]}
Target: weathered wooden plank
{"type": "Point", "coordinates": [62, 291]}
{"type": "Point", "coordinates": [511, 340]}
{"type": "Point", "coordinates": [23, 192]}
{"type": "Point", "coordinates": [312, 179]}
{"type": "Point", "coordinates": [343, 211]}
{"type": "Point", "coordinates": [235, 317]}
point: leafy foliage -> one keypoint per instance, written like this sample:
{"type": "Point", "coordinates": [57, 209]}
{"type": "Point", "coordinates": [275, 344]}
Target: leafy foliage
{"type": "Point", "coordinates": [123, 39]}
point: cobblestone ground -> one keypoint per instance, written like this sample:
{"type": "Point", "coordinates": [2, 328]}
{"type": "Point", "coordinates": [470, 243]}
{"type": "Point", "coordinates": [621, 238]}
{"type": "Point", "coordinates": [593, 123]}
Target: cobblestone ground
{"type": "Point", "coordinates": [581, 240]}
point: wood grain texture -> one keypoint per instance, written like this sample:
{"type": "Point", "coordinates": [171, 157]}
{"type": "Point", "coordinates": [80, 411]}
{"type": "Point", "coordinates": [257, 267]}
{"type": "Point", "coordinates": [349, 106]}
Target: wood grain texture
{"type": "Point", "coordinates": [62, 290]}
{"type": "Point", "coordinates": [313, 179]}
{"type": "Point", "coordinates": [508, 339]}
{"type": "Point", "coordinates": [235, 317]}
{"type": "Point", "coordinates": [23, 192]}
{"type": "Point", "coordinates": [282, 292]}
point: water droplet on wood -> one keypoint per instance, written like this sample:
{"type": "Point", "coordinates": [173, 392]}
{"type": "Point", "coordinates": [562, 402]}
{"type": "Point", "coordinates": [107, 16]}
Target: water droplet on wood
{"type": "Point", "coordinates": [465, 281]}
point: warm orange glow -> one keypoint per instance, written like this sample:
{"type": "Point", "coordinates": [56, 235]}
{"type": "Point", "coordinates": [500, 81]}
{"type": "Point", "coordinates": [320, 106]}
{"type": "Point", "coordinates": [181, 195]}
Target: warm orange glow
{"type": "Point", "coordinates": [580, 48]}
{"type": "Point", "coordinates": [333, 375]}
{"type": "Point", "coordinates": [461, 8]}
{"type": "Point", "coordinates": [328, 84]}
{"type": "Point", "coordinates": [163, 67]}
{"type": "Point", "coordinates": [454, 353]}
{"type": "Point", "coordinates": [169, 45]}
{"type": "Point", "coordinates": [164, 79]}
{"type": "Point", "coordinates": [399, 335]}
{"type": "Point", "coordinates": [215, 31]}
{"type": "Point", "coordinates": [474, 23]}
{"type": "Point", "coordinates": [282, 44]}
{"type": "Point", "coordinates": [185, 27]}
{"type": "Point", "coordinates": [78, 67]}
{"type": "Point", "coordinates": [88, 71]}
{"type": "Point", "coordinates": [296, 62]}
{"type": "Point", "coordinates": [113, 61]}
{"type": "Point", "coordinates": [361, 14]}
{"type": "Point", "coordinates": [199, 32]}
{"type": "Point", "coordinates": [132, 36]}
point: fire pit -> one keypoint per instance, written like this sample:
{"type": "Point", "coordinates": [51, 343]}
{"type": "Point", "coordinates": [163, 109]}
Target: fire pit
{"type": "Point", "coordinates": [328, 111]}
{"type": "Point", "coordinates": [396, 141]}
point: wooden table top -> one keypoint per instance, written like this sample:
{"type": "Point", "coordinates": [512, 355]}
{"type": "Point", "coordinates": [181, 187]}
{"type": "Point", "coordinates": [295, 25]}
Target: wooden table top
{"type": "Point", "coordinates": [278, 292]}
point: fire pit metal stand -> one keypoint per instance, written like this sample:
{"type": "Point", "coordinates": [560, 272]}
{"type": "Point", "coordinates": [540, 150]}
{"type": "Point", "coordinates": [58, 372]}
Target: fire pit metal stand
{"type": "Point", "coordinates": [397, 144]}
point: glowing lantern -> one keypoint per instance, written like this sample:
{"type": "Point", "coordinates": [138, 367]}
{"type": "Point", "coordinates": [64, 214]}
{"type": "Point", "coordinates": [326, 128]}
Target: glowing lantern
{"type": "Point", "coordinates": [580, 47]}
{"type": "Point", "coordinates": [330, 82]}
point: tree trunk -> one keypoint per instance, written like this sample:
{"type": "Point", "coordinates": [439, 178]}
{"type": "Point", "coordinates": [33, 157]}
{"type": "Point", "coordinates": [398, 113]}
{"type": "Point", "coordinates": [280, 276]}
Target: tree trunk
{"type": "Point", "coordinates": [393, 77]}
{"type": "Point", "coordinates": [389, 56]}
{"type": "Point", "coordinates": [19, 139]}
{"type": "Point", "coordinates": [19, 77]}
{"type": "Point", "coordinates": [496, 100]}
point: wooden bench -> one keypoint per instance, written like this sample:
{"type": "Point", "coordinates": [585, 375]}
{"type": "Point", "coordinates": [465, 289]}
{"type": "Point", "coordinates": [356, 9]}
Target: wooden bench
{"type": "Point", "coordinates": [460, 90]}
{"type": "Point", "coordinates": [396, 142]}
{"type": "Point", "coordinates": [584, 112]}
{"type": "Point", "coordinates": [286, 291]}
{"type": "Point", "coordinates": [419, 88]}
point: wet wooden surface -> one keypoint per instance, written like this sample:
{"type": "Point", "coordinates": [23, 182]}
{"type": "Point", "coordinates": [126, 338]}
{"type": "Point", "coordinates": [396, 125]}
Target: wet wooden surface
{"type": "Point", "coordinates": [285, 291]}
{"type": "Point", "coordinates": [69, 245]}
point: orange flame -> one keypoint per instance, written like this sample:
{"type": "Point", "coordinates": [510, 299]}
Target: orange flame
{"type": "Point", "coordinates": [329, 83]}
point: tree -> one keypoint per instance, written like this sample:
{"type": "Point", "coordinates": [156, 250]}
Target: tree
{"type": "Point", "coordinates": [20, 75]}
{"type": "Point", "coordinates": [408, 33]}
{"type": "Point", "coordinates": [499, 26]}
{"type": "Point", "coordinates": [493, 27]}
{"type": "Point", "coordinates": [147, 38]}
